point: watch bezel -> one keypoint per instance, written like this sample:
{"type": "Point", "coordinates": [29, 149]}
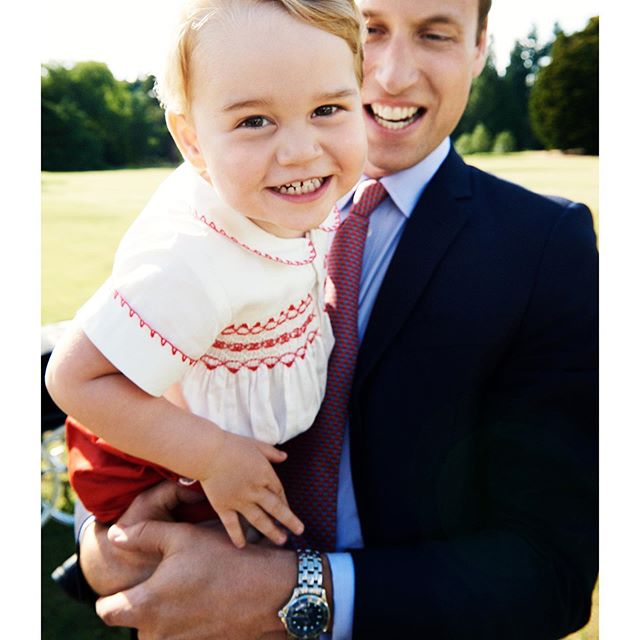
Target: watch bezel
{"type": "Point", "coordinates": [290, 612]}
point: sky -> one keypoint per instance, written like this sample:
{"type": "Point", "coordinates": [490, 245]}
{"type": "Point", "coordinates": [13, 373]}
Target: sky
{"type": "Point", "coordinates": [124, 33]}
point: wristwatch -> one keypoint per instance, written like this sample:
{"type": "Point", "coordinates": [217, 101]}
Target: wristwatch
{"type": "Point", "coordinates": [306, 615]}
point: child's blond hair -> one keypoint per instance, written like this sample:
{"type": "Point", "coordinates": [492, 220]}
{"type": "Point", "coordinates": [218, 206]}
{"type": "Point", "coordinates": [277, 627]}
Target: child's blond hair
{"type": "Point", "coordinates": [338, 17]}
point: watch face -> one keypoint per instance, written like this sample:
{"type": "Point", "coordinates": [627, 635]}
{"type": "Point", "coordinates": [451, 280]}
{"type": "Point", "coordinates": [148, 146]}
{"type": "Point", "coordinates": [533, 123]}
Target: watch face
{"type": "Point", "coordinates": [307, 616]}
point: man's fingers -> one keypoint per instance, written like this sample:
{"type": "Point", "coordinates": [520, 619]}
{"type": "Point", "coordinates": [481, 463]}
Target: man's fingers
{"type": "Point", "coordinates": [157, 502]}
{"type": "Point", "coordinates": [148, 536]}
{"type": "Point", "coordinates": [117, 610]}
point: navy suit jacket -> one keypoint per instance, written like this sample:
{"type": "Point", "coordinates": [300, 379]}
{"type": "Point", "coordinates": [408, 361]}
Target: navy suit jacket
{"type": "Point", "coordinates": [474, 419]}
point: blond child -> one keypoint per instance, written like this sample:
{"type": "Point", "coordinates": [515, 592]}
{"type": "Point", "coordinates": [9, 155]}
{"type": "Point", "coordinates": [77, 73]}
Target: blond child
{"type": "Point", "coordinates": [209, 343]}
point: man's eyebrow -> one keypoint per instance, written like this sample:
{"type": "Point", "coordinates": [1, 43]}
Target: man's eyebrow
{"type": "Point", "coordinates": [257, 103]}
{"type": "Point", "coordinates": [442, 18]}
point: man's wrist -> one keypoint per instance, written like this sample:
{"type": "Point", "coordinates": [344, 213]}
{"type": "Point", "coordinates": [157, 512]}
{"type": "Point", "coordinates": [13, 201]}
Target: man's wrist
{"type": "Point", "coordinates": [327, 583]}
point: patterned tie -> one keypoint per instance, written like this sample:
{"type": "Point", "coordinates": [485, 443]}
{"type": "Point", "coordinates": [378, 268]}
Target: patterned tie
{"type": "Point", "coordinates": [310, 474]}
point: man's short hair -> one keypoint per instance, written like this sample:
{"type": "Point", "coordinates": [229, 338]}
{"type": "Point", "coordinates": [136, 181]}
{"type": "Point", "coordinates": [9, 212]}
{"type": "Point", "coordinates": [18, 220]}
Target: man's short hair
{"type": "Point", "coordinates": [483, 11]}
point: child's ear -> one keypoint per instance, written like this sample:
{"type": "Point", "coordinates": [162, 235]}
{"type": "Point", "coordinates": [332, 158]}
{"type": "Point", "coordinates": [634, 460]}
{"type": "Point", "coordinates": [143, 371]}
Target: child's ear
{"type": "Point", "coordinates": [184, 135]}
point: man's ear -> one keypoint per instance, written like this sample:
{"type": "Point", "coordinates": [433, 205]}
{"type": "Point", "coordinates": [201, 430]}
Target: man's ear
{"type": "Point", "coordinates": [481, 52]}
{"type": "Point", "coordinates": [184, 135]}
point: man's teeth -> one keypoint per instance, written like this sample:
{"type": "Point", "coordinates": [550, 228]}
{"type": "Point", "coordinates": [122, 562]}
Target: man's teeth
{"type": "Point", "coordinates": [394, 117]}
{"type": "Point", "coordinates": [297, 188]}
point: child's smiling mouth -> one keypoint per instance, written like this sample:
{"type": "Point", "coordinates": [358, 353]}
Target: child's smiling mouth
{"type": "Point", "coordinates": [301, 187]}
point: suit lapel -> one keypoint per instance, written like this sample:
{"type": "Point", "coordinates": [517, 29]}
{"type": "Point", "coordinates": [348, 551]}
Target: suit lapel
{"type": "Point", "coordinates": [438, 217]}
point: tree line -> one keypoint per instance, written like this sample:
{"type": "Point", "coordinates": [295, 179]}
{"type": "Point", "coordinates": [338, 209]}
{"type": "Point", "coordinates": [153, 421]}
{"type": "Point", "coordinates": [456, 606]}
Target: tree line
{"type": "Point", "coordinates": [90, 120]}
{"type": "Point", "coordinates": [546, 99]}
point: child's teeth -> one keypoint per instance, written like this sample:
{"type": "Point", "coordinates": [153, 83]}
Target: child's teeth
{"type": "Point", "coordinates": [298, 187]}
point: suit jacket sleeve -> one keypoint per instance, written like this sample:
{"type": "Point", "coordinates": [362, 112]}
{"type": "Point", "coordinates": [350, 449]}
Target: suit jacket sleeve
{"type": "Point", "coordinates": [528, 567]}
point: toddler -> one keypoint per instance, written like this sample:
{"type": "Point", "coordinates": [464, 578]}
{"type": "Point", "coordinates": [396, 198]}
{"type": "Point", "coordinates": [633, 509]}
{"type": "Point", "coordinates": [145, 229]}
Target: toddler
{"type": "Point", "coordinates": [209, 343]}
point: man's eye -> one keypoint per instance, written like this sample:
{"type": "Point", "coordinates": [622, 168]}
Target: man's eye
{"type": "Point", "coordinates": [254, 122]}
{"type": "Point", "coordinates": [373, 30]}
{"type": "Point", "coordinates": [326, 110]}
{"type": "Point", "coordinates": [435, 37]}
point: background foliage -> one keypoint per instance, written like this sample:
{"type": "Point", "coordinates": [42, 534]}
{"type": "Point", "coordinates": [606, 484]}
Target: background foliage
{"type": "Point", "coordinates": [90, 120]}
{"type": "Point", "coordinates": [564, 99]}
{"type": "Point", "coordinates": [546, 99]}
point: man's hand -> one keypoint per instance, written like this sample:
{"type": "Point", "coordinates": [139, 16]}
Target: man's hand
{"type": "Point", "coordinates": [108, 568]}
{"type": "Point", "coordinates": [204, 587]}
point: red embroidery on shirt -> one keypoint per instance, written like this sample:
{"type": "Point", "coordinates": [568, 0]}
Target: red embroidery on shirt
{"type": "Point", "coordinates": [294, 263]}
{"type": "Point", "coordinates": [152, 332]}
{"type": "Point", "coordinates": [334, 223]}
{"type": "Point", "coordinates": [269, 343]}
{"type": "Point", "coordinates": [285, 315]}
{"type": "Point", "coordinates": [211, 362]}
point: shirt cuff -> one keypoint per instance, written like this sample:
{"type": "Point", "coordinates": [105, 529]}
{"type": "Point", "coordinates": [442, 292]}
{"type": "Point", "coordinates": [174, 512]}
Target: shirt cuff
{"type": "Point", "coordinates": [344, 591]}
{"type": "Point", "coordinates": [81, 519]}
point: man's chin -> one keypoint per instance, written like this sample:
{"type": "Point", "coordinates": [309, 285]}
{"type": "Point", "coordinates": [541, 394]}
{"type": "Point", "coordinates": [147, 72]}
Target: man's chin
{"type": "Point", "coordinates": [384, 164]}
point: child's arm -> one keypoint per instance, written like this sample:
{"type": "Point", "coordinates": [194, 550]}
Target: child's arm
{"type": "Point", "coordinates": [235, 471]}
{"type": "Point", "coordinates": [174, 395]}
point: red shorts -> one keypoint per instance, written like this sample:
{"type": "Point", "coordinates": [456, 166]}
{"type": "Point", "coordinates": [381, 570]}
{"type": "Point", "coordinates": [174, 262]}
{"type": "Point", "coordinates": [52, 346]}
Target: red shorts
{"type": "Point", "coordinates": [107, 480]}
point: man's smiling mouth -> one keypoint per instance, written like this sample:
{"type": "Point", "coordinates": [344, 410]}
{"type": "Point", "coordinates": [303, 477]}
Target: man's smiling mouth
{"type": "Point", "coordinates": [394, 117]}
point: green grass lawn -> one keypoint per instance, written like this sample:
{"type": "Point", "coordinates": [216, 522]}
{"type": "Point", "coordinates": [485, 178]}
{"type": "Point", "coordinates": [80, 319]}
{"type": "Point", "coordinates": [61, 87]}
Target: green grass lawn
{"type": "Point", "coordinates": [84, 214]}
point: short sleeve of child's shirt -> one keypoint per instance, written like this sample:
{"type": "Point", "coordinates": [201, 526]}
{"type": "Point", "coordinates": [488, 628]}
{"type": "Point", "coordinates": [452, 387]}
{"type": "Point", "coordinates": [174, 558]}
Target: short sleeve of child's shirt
{"type": "Point", "coordinates": [164, 304]}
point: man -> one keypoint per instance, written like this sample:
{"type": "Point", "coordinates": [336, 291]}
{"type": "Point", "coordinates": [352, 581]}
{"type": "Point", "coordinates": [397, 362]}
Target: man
{"type": "Point", "coordinates": [467, 492]}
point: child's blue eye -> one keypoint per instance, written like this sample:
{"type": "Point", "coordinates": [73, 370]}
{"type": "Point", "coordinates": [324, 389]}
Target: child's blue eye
{"type": "Point", "coordinates": [326, 110]}
{"type": "Point", "coordinates": [254, 122]}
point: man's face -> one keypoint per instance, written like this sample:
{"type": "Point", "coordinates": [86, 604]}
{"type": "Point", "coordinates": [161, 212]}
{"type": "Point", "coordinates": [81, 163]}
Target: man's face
{"type": "Point", "coordinates": [419, 60]}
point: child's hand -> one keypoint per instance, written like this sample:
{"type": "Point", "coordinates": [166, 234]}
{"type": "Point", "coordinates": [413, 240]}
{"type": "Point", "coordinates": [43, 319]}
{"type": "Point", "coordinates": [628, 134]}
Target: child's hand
{"type": "Point", "coordinates": [242, 481]}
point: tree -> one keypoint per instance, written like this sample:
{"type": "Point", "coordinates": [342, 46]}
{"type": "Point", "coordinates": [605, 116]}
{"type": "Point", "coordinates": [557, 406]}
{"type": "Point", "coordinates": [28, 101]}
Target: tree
{"type": "Point", "coordinates": [564, 100]}
{"type": "Point", "coordinates": [148, 132]}
{"type": "Point", "coordinates": [481, 139]}
{"type": "Point", "coordinates": [463, 144]}
{"type": "Point", "coordinates": [90, 120]}
{"type": "Point", "coordinates": [505, 142]}
{"type": "Point", "coordinates": [68, 141]}
{"type": "Point", "coordinates": [527, 58]}
{"type": "Point", "coordinates": [487, 94]}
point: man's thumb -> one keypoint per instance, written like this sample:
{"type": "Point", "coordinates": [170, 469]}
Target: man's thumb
{"type": "Point", "coordinates": [148, 536]}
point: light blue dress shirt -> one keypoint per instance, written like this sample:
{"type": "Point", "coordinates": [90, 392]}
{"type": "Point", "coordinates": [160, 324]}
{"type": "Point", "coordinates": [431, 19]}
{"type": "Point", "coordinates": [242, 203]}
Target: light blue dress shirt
{"type": "Point", "coordinates": [386, 224]}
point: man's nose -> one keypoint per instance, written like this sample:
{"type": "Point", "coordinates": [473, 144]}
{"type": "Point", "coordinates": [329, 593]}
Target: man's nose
{"type": "Point", "coordinates": [396, 68]}
{"type": "Point", "coordinates": [298, 145]}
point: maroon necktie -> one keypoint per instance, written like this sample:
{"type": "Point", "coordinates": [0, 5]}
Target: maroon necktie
{"type": "Point", "coordinates": [310, 474]}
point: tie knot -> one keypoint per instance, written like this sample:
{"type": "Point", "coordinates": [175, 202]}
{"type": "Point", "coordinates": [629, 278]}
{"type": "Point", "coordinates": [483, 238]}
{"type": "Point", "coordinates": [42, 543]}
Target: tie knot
{"type": "Point", "coordinates": [368, 195]}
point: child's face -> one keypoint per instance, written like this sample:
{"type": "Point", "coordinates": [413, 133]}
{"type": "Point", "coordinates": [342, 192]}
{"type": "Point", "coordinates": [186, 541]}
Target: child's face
{"type": "Point", "coordinates": [276, 103]}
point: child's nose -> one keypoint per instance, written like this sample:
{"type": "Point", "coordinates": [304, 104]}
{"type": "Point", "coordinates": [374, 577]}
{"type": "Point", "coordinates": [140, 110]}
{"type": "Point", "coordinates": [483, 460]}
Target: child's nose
{"type": "Point", "coordinates": [299, 146]}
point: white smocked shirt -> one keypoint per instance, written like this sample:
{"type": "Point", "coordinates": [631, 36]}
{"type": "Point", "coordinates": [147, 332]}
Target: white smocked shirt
{"type": "Point", "coordinates": [201, 296]}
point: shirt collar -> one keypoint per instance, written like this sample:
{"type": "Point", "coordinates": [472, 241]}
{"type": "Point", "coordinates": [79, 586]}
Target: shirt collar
{"type": "Point", "coordinates": [406, 186]}
{"type": "Point", "coordinates": [211, 210]}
